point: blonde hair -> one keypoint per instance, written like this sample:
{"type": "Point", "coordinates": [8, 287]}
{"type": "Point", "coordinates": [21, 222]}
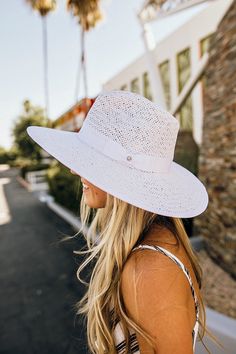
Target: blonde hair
{"type": "Point", "coordinates": [112, 233]}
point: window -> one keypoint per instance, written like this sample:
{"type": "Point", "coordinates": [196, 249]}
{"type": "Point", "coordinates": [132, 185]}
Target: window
{"type": "Point", "coordinates": [205, 45]}
{"type": "Point", "coordinates": [186, 115]}
{"type": "Point", "coordinates": [165, 78]}
{"type": "Point", "coordinates": [146, 86]}
{"type": "Point", "coordinates": [184, 71]}
{"type": "Point", "coordinates": [135, 85]}
{"type": "Point", "coordinates": [183, 65]}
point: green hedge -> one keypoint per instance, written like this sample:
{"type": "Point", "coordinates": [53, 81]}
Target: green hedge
{"type": "Point", "coordinates": [30, 167]}
{"type": "Point", "coordinates": [187, 152]}
{"type": "Point", "coordinates": [7, 156]}
{"type": "Point", "coordinates": [65, 187]}
{"type": "Point", "coordinates": [3, 157]}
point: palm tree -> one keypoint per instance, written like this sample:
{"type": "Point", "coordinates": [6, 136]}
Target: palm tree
{"type": "Point", "coordinates": [44, 7]}
{"type": "Point", "coordinates": [89, 14]}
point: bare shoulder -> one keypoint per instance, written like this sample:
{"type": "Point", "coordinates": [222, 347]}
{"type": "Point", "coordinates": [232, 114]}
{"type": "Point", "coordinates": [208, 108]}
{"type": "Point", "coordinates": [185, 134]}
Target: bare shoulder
{"type": "Point", "coordinates": [148, 266]}
{"type": "Point", "coordinates": [157, 296]}
{"type": "Point", "coordinates": [145, 260]}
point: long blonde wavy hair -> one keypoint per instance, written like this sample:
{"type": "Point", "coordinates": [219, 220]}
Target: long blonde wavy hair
{"type": "Point", "coordinates": [111, 234]}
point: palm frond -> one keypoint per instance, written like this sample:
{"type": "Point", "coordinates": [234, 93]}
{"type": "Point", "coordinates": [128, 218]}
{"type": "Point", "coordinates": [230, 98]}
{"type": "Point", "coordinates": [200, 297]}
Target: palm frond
{"type": "Point", "coordinates": [88, 12]}
{"type": "Point", "coordinates": [42, 6]}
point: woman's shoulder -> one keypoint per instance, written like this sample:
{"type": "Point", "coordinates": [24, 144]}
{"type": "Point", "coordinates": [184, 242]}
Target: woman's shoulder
{"type": "Point", "coordinates": [151, 278]}
{"type": "Point", "coordinates": [144, 260]}
{"type": "Point", "coordinates": [148, 266]}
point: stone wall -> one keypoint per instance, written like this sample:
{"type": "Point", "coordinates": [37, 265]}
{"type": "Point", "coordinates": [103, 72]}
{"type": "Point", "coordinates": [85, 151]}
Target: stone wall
{"type": "Point", "coordinates": [217, 160]}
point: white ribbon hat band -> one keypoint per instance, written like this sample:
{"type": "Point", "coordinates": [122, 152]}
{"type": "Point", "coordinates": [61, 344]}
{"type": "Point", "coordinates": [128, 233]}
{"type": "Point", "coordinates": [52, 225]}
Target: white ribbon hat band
{"type": "Point", "coordinates": [116, 151]}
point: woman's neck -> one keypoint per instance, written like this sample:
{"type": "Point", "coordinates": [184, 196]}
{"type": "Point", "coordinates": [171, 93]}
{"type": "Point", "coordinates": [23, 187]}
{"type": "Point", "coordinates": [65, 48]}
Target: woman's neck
{"type": "Point", "coordinates": [159, 234]}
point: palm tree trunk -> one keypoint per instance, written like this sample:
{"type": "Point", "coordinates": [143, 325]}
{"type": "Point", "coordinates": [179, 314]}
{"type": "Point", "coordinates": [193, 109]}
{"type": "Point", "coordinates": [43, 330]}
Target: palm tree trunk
{"type": "Point", "coordinates": [81, 68]}
{"type": "Point", "coordinates": [78, 75]}
{"type": "Point", "coordinates": [83, 61]}
{"type": "Point", "coordinates": [45, 59]}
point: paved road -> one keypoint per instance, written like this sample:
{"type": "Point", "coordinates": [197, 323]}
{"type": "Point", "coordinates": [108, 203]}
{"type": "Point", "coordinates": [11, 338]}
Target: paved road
{"type": "Point", "coordinates": [38, 284]}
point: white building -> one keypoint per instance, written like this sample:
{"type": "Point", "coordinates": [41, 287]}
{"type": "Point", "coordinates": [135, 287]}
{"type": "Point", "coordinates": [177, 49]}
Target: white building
{"type": "Point", "coordinates": [176, 56]}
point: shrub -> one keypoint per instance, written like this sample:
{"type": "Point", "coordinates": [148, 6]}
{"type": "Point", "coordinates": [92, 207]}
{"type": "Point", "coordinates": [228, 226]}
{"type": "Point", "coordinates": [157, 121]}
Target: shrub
{"type": "Point", "coordinates": [3, 155]}
{"type": "Point", "coordinates": [65, 187]}
{"type": "Point", "coordinates": [29, 166]}
{"type": "Point", "coordinates": [7, 156]}
{"type": "Point", "coordinates": [186, 154]}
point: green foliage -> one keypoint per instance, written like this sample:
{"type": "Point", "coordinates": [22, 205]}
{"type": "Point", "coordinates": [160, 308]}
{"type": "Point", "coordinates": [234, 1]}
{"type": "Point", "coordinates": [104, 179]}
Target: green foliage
{"type": "Point", "coordinates": [26, 147]}
{"type": "Point", "coordinates": [187, 151]}
{"type": "Point", "coordinates": [7, 156]}
{"type": "Point", "coordinates": [186, 154]}
{"type": "Point", "coordinates": [29, 167]}
{"type": "Point", "coordinates": [65, 187]}
{"type": "Point", "coordinates": [20, 162]}
{"type": "Point", "coordinates": [3, 155]}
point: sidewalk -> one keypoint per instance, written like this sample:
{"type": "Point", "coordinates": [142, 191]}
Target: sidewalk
{"type": "Point", "coordinates": [38, 277]}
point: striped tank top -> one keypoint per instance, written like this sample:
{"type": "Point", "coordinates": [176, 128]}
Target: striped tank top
{"type": "Point", "coordinates": [118, 333]}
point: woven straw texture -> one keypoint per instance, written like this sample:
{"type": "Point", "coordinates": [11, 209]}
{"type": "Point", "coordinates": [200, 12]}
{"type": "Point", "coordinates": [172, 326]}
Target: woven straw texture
{"type": "Point", "coordinates": [126, 148]}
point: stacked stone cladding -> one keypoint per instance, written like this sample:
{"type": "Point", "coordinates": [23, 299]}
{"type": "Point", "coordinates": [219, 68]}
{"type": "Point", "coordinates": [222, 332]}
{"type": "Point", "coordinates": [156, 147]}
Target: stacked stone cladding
{"type": "Point", "coordinates": [217, 159]}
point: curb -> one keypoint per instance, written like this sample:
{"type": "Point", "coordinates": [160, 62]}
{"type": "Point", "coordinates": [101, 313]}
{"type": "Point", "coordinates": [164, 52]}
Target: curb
{"type": "Point", "coordinates": [64, 213]}
{"type": "Point", "coordinates": [221, 323]}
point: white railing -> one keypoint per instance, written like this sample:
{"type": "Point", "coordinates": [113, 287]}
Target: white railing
{"type": "Point", "coordinates": [37, 180]}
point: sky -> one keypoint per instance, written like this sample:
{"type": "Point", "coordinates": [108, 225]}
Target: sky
{"type": "Point", "coordinates": [110, 47]}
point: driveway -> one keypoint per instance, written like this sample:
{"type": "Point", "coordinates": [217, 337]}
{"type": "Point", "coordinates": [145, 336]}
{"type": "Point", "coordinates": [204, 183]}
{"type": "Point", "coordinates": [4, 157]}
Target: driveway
{"type": "Point", "coordinates": [38, 276]}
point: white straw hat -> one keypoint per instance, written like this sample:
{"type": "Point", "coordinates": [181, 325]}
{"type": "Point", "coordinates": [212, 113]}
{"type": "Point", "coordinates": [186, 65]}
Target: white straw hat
{"type": "Point", "coordinates": [126, 148]}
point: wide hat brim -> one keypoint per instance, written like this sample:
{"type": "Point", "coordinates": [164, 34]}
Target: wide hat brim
{"type": "Point", "coordinates": [176, 193]}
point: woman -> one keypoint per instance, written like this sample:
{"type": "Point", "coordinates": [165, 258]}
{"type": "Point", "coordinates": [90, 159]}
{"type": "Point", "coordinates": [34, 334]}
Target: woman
{"type": "Point", "coordinates": [144, 291]}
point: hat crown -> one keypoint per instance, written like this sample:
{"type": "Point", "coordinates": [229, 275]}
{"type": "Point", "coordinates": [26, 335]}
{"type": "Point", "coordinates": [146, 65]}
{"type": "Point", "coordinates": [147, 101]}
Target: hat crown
{"type": "Point", "coordinates": [137, 124]}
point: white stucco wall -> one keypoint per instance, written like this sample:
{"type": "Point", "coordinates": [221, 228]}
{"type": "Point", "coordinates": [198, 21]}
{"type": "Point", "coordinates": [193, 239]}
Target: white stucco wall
{"type": "Point", "coordinates": [188, 35]}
